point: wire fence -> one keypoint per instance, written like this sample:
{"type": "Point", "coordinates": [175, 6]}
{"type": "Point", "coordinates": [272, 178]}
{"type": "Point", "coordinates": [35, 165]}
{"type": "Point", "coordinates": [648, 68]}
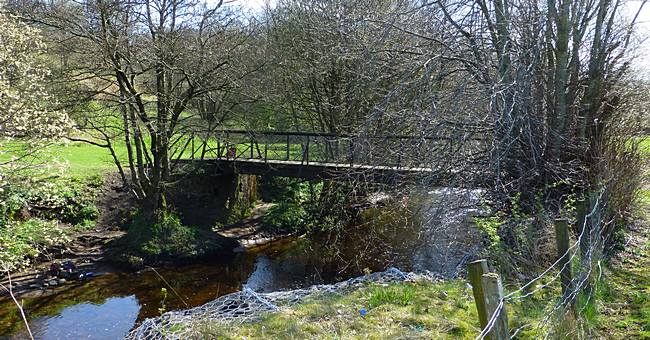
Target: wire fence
{"type": "Point", "coordinates": [579, 263]}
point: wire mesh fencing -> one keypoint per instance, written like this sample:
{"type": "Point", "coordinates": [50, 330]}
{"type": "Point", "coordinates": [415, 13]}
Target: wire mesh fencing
{"type": "Point", "coordinates": [248, 305]}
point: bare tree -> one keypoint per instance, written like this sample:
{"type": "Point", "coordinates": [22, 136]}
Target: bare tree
{"type": "Point", "coordinates": [148, 61]}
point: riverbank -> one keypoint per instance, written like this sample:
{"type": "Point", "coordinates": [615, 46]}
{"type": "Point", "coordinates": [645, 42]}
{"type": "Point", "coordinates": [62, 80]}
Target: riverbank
{"type": "Point", "coordinates": [62, 201]}
{"type": "Point", "coordinates": [388, 304]}
{"type": "Point", "coordinates": [100, 250]}
{"type": "Point", "coordinates": [417, 309]}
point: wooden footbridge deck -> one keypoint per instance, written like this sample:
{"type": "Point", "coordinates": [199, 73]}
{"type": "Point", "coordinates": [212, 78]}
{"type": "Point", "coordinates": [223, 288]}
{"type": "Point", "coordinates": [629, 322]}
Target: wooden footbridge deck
{"type": "Point", "coordinates": [311, 155]}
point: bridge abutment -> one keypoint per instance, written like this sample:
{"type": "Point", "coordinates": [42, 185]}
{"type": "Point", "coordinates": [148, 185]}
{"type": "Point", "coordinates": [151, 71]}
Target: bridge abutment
{"type": "Point", "coordinates": [206, 199]}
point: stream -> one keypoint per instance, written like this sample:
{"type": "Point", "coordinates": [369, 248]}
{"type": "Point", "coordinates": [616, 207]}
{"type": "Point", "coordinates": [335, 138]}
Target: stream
{"type": "Point", "coordinates": [109, 305]}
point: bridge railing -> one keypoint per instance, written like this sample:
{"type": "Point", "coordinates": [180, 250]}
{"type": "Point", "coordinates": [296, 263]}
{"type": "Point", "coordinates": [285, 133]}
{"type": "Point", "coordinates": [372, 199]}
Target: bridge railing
{"type": "Point", "coordinates": [397, 151]}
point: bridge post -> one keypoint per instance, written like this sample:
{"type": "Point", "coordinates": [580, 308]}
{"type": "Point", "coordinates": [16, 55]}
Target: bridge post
{"type": "Point", "coordinates": [252, 147]}
{"type": "Point", "coordinates": [399, 154]}
{"type": "Point", "coordinates": [351, 151]}
{"type": "Point", "coordinates": [192, 140]}
{"type": "Point", "coordinates": [266, 152]}
{"type": "Point", "coordinates": [218, 149]}
{"type": "Point", "coordinates": [288, 147]}
{"type": "Point", "coordinates": [307, 151]}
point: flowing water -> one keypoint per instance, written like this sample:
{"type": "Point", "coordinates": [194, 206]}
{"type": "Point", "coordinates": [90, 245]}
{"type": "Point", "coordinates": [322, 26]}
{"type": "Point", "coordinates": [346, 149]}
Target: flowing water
{"type": "Point", "coordinates": [111, 304]}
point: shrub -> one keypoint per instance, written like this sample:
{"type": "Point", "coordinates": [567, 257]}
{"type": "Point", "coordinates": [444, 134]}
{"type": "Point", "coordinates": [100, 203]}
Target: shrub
{"type": "Point", "coordinates": [489, 226]}
{"type": "Point", "coordinates": [23, 241]}
{"type": "Point", "coordinates": [167, 239]}
{"type": "Point", "coordinates": [305, 205]}
{"type": "Point", "coordinates": [67, 199]}
{"type": "Point", "coordinates": [287, 217]}
{"type": "Point", "coordinates": [284, 189]}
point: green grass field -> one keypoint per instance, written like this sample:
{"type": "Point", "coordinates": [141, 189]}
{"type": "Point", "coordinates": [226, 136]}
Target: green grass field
{"type": "Point", "coordinates": [74, 159]}
{"type": "Point", "coordinates": [84, 159]}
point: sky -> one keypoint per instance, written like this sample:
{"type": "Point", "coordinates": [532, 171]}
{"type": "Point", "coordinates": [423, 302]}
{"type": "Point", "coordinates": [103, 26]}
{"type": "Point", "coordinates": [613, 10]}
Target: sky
{"type": "Point", "coordinates": [642, 62]}
{"type": "Point", "coordinates": [252, 4]}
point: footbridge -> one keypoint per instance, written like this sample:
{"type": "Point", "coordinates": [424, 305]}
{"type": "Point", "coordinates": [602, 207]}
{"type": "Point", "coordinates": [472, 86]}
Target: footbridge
{"type": "Point", "coordinates": [311, 155]}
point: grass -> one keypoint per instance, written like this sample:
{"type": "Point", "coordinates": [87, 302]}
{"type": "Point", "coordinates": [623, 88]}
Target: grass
{"type": "Point", "coordinates": [420, 310]}
{"type": "Point", "coordinates": [75, 159]}
{"type": "Point", "coordinates": [83, 159]}
{"type": "Point", "coordinates": [625, 288]}
{"type": "Point", "coordinates": [644, 145]}
{"type": "Point", "coordinates": [407, 310]}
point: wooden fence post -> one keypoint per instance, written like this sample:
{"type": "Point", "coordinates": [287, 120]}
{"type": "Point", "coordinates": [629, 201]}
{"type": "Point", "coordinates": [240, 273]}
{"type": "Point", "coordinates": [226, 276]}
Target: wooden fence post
{"type": "Point", "coordinates": [562, 241]}
{"type": "Point", "coordinates": [475, 271]}
{"type": "Point", "coordinates": [493, 296]}
{"type": "Point", "coordinates": [488, 292]}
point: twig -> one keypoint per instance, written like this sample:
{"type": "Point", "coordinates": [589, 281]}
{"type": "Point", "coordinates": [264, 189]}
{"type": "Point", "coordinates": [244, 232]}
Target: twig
{"type": "Point", "coordinates": [168, 285]}
{"type": "Point", "coordinates": [20, 307]}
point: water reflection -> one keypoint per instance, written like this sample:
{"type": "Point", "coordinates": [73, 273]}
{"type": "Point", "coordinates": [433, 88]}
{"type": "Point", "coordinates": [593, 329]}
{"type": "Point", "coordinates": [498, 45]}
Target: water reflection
{"type": "Point", "coordinates": [109, 320]}
{"type": "Point", "coordinates": [111, 304]}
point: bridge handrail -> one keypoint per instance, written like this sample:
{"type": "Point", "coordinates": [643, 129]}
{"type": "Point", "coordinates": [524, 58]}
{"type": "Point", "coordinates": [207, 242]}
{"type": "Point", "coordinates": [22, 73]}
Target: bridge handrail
{"type": "Point", "coordinates": [320, 134]}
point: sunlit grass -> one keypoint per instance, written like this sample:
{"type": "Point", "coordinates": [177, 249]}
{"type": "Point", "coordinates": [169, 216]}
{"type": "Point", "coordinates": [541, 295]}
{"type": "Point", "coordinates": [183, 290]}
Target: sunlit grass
{"type": "Point", "coordinates": [420, 310]}
{"type": "Point", "coordinates": [644, 145]}
{"type": "Point", "coordinates": [84, 159]}
{"type": "Point", "coordinates": [410, 310]}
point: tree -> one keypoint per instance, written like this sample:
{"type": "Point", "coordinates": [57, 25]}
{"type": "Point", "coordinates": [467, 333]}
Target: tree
{"type": "Point", "coordinates": [25, 103]}
{"type": "Point", "coordinates": [333, 62]}
{"type": "Point", "coordinates": [149, 63]}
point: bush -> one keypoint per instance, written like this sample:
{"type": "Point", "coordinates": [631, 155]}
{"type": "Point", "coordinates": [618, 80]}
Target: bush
{"type": "Point", "coordinates": [167, 239]}
{"type": "Point", "coordinates": [23, 241]}
{"type": "Point", "coordinates": [69, 200]}
{"type": "Point", "coordinates": [284, 189]}
{"type": "Point", "coordinates": [30, 212]}
{"type": "Point", "coordinates": [286, 217]}
{"type": "Point", "coordinates": [305, 205]}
